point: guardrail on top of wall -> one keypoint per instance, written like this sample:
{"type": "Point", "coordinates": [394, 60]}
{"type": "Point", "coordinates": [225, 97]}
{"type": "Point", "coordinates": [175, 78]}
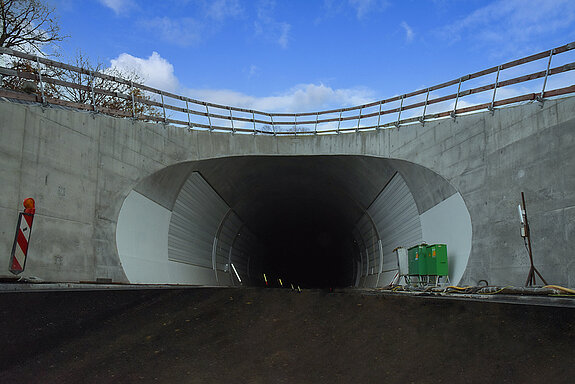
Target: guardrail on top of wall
{"type": "Point", "coordinates": [530, 78]}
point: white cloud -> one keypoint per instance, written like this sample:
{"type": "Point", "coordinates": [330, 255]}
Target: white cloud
{"type": "Point", "coordinates": [209, 16]}
{"type": "Point", "coordinates": [184, 31]}
{"type": "Point", "coordinates": [267, 26]}
{"type": "Point", "coordinates": [118, 6]}
{"type": "Point", "coordinates": [303, 97]}
{"type": "Point", "coordinates": [409, 34]}
{"type": "Point", "coordinates": [222, 9]}
{"type": "Point", "coordinates": [156, 71]}
{"type": "Point", "coordinates": [364, 7]}
{"type": "Point", "coordinates": [510, 24]}
{"type": "Point", "coordinates": [284, 35]}
{"type": "Point", "coordinates": [253, 71]}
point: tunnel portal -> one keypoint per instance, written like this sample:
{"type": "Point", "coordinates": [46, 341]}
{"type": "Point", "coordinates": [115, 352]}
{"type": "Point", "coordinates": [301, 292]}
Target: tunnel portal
{"type": "Point", "coordinates": [314, 221]}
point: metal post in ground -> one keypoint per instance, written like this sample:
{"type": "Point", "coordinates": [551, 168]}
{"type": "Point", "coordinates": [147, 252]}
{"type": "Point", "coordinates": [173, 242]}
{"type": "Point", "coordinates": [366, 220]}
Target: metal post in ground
{"type": "Point", "coordinates": [527, 235]}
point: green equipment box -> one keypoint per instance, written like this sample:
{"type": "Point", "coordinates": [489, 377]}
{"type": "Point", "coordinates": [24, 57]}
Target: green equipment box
{"type": "Point", "coordinates": [437, 260]}
{"type": "Point", "coordinates": [417, 260]}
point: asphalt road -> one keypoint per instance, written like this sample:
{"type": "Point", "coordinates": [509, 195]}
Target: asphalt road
{"type": "Point", "coordinates": [278, 336]}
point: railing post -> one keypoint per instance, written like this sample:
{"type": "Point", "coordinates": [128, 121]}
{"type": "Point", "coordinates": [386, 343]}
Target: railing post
{"type": "Point", "coordinates": [397, 123]}
{"type": "Point", "coordinates": [1, 75]}
{"type": "Point", "coordinates": [40, 81]}
{"type": "Point", "coordinates": [316, 121]}
{"type": "Point", "coordinates": [295, 125]}
{"type": "Point", "coordinates": [232, 120]}
{"type": "Point", "coordinates": [456, 99]}
{"type": "Point", "coordinates": [254, 120]}
{"type": "Point", "coordinates": [133, 100]}
{"type": "Point", "coordinates": [273, 126]}
{"type": "Point", "coordinates": [208, 115]}
{"type": "Point", "coordinates": [422, 118]}
{"type": "Point", "coordinates": [379, 115]}
{"type": "Point", "coordinates": [93, 92]}
{"type": "Point", "coordinates": [339, 121]}
{"type": "Point", "coordinates": [163, 106]}
{"type": "Point", "coordinates": [188, 112]}
{"type": "Point", "coordinates": [358, 120]}
{"type": "Point", "coordinates": [540, 98]}
{"type": "Point", "coordinates": [495, 90]}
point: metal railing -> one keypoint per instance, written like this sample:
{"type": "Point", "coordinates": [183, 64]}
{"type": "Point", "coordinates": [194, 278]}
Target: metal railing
{"type": "Point", "coordinates": [473, 92]}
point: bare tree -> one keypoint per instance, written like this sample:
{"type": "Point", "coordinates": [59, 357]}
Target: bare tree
{"type": "Point", "coordinates": [85, 95]}
{"type": "Point", "coordinates": [82, 86]}
{"type": "Point", "coordinates": [28, 25]}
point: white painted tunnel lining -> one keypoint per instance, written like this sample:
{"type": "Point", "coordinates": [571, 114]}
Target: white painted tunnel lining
{"type": "Point", "coordinates": [145, 227]}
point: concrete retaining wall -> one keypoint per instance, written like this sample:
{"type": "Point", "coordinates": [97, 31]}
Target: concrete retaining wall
{"type": "Point", "coordinates": [80, 167]}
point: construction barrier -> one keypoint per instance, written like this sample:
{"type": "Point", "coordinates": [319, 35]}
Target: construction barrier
{"type": "Point", "coordinates": [22, 238]}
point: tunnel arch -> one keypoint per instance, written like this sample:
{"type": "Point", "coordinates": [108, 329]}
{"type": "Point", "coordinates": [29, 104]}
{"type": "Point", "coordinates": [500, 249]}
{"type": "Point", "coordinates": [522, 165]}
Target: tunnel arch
{"type": "Point", "coordinates": [317, 221]}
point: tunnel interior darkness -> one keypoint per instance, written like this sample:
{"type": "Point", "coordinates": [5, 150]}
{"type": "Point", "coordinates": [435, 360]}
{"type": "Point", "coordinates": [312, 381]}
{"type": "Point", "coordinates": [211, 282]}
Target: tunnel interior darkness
{"type": "Point", "coordinates": [307, 242]}
{"type": "Point", "coordinates": [302, 209]}
{"type": "Point", "coordinates": [305, 211]}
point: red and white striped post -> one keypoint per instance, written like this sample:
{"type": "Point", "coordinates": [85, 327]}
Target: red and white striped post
{"type": "Point", "coordinates": [22, 237]}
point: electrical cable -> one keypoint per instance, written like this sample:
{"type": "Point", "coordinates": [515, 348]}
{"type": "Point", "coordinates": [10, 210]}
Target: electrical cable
{"type": "Point", "coordinates": [560, 288]}
{"type": "Point", "coordinates": [496, 292]}
{"type": "Point", "coordinates": [464, 289]}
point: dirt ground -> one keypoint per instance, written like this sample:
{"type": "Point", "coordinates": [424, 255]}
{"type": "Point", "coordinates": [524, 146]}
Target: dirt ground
{"type": "Point", "coordinates": [278, 336]}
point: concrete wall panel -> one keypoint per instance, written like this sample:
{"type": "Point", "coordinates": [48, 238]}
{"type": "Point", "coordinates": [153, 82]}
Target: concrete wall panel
{"type": "Point", "coordinates": [81, 166]}
{"type": "Point", "coordinates": [58, 248]}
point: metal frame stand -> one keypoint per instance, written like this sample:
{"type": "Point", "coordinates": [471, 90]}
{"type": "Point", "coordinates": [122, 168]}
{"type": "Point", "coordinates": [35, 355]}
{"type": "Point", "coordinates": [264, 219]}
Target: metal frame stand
{"type": "Point", "coordinates": [532, 270]}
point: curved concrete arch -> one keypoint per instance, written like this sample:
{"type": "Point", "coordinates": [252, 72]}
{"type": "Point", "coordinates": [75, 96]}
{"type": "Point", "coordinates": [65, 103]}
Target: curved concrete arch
{"type": "Point", "coordinates": [302, 199]}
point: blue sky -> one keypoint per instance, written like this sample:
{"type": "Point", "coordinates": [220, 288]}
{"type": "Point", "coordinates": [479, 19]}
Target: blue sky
{"type": "Point", "coordinates": [298, 55]}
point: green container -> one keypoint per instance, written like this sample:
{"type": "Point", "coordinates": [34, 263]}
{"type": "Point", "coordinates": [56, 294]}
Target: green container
{"type": "Point", "coordinates": [437, 260]}
{"type": "Point", "coordinates": [417, 260]}
{"type": "Point", "coordinates": [431, 261]}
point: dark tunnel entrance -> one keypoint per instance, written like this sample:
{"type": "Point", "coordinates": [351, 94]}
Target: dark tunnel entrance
{"type": "Point", "coordinates": [314, 221]}
{"type": "Point", "coordinates": [303, 210]}
{"type": "Point", "coordinates": [309, 246]}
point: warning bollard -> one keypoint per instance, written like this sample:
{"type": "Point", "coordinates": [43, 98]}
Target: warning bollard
{"type": "Point", "coordinates": [22, 237]}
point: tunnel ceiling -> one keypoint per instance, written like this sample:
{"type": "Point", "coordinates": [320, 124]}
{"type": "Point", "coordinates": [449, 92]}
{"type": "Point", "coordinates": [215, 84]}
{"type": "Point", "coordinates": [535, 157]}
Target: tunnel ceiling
{"type": "Point", "coordinates": [265, 189]}
{"type": "Point", "coordinates": [302, 209]}
{"type": "Point", "coordinates": [304, 191]}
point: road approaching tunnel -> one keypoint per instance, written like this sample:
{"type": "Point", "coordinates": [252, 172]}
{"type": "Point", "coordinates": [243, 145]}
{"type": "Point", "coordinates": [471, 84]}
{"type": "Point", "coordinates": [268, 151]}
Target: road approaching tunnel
{"type": "Point", "coordinates": [315, 221]}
